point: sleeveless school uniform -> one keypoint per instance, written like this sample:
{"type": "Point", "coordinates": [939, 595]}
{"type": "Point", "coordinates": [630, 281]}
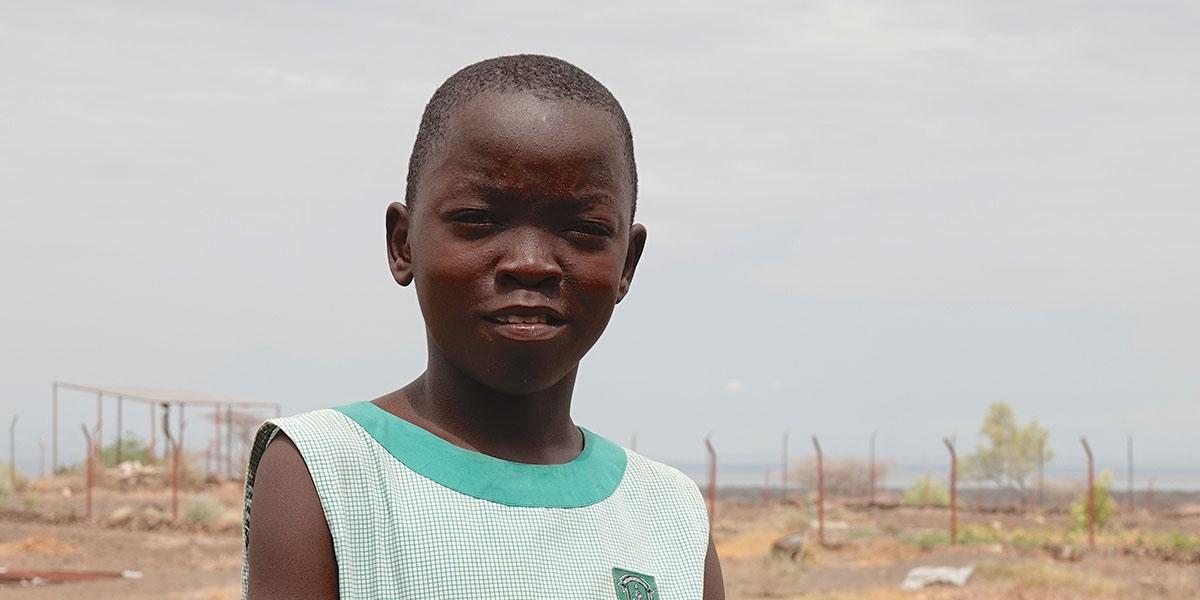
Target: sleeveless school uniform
{"type": "Point", "coordinates": [414, 516]}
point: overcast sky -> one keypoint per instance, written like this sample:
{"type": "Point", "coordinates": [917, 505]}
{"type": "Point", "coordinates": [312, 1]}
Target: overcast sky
{"type": "Point", "coordinates": [862, 215]}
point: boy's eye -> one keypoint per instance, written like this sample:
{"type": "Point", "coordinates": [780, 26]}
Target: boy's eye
{"type": "Point", "coordinates": [473, 216]}
{"type": "Point", "coordinates": [591, 229]}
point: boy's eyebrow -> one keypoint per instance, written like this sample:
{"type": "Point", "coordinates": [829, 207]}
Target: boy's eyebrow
{"type": "Point", "coordinates": [586, 197]}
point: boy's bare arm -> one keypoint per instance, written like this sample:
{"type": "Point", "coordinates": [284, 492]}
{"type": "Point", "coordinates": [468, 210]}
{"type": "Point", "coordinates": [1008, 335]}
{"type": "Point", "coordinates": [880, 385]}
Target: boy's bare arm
{"type": "Point", "coordinates": [714, 583]}
{"type": "Point", "coordinates": [291, 551]}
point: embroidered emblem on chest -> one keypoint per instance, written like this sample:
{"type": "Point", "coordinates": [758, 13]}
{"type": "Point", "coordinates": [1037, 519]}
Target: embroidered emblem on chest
{"type": "Point", "coordinates": [634, 586]}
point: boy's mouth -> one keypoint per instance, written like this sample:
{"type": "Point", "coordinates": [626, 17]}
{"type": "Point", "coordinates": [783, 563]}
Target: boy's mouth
{"type": "Point", "coordinates": [526, 323]}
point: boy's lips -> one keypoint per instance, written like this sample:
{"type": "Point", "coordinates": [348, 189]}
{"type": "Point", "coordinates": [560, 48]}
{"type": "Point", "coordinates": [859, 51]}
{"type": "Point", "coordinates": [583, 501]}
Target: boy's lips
{"type": "Point", "coordinates": [526, 323]}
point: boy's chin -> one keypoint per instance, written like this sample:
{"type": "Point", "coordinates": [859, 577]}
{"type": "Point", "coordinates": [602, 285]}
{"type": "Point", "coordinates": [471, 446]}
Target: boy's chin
{"type": "Point", "coordinates": [515, 381]}
{"type": "Point", "coordinates": [523, 384]}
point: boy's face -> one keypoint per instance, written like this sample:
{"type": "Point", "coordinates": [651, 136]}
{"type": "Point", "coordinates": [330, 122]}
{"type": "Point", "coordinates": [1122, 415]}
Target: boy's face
{"type": "Point", "coordinates": [521, 239]}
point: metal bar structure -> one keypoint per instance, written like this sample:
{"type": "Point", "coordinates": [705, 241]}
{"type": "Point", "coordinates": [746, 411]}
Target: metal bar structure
{"type": "Point", "coordinates": [87, 438]}
{"type": "Point", "coordinates": [229, 441]}
{"type": "Point", "coordinates": [100, 419]}
{"type": "Point", "coordinates": [712, 478]}
{"type": "Point", "coordinates": [820, 492]}
{"type": "Point", "coordinates": [953, 491]}
{"type": "Point", "coordinates": [176, 444]}
{"type": "Point", "coordinates": [1129, 475]}
{"type": "Point", "coordinates": [766, 491]}
{"type": "Point", "coordinates": [871, 471]}
{"type": "Point", "coordinates": [1091, 493]}
{"type": "Point", "coordinates": [54, 429]}
{"type": "Point", "coordinates": [120, 421]}
{"type": "Point", "coordinates": [1041, 463]}
{"type": "Point", "coordinates": [783, 466]}
{"type": "Point", "coordinates": [152, 398]}
{"type": "Point", "coordinates": [1150, 495]}
{"type": "Point", "coordinates": [150, 447]}
{"type": "Point", "coordinates": [633, 441]}
{"type": "Point", "coordinates": [41, 458]}
{"type": "Point", "coordinates": [219, 471]}
{"type": "Point", "coordinates": [12, 453]}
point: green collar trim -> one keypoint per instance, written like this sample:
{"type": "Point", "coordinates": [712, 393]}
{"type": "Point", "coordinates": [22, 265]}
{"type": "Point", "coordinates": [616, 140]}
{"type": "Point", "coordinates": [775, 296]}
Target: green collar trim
{"type": "Point", "coordinates": [591, 477]}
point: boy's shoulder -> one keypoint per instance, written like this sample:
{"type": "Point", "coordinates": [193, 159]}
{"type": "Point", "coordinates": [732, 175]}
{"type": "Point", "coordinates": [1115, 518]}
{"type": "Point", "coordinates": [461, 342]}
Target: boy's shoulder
{"type": "Point", "coordinates": [649, 473]}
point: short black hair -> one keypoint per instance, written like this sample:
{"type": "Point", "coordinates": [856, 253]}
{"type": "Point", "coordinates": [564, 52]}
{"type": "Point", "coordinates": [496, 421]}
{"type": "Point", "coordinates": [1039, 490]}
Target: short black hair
{"type": "Point", "coordinates": [545, 77]}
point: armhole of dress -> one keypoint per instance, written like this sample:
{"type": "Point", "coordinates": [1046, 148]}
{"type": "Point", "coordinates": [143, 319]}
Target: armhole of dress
{"type": "Point", "coordinates": [265, 434]}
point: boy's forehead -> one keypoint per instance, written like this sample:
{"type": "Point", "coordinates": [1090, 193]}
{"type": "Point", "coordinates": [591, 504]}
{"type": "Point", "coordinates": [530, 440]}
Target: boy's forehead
{"type": "Point", "coordinates": [510, 135]}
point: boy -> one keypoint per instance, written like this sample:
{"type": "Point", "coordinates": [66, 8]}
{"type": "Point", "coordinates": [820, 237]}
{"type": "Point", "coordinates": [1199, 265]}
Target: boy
{"type": "Point", "coordinates": [472, 481]}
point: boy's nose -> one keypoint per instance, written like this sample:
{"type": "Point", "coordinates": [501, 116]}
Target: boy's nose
{"type": "Point", "coordinates": [529, 263]}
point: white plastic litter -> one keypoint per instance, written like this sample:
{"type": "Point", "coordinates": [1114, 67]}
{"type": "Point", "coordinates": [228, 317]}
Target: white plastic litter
{"type": "Point", "coordinates": [920, 577]}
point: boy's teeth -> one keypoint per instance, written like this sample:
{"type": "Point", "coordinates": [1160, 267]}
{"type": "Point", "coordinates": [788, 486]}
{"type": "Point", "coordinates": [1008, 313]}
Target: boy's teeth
{"type": "Point", "coordinates": [519, 319]}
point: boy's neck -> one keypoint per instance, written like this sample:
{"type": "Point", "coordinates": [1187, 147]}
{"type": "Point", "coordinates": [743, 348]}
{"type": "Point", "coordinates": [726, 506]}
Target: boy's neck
{"type": "Point", "coordinates": [531, 428]}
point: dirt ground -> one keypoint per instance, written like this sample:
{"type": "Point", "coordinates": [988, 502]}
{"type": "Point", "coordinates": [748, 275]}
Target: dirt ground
{"type": "Point", "coordinates": [868, 551]}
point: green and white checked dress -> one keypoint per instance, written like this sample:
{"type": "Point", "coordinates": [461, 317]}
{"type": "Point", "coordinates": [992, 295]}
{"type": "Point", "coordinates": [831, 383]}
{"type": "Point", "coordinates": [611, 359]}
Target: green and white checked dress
{"type": "Point", "coordinates": [414, 516]}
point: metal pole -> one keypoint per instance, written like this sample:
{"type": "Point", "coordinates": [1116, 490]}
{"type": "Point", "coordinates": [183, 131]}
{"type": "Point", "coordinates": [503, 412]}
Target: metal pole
{"type": "Point", "coordinates": [54, 429]}
{"type": "Point", "coordinates": [633, 441]}
{"type": "Point", "coordinates": [712, 478]}
{"type": "Point", "coordinates": [1129, 461]}
{"type": "Point", "coordinates": [151, 450]}
{"type": "Point", "coordinates": [783, 466]}
{"type": "Point", "coordinates": [120, 425]}
{"type": "Point", "coordinates": [1150, 495]}
{"type": "Point", "coordinates": [871, 467]}
{"type": "Point", "coordinates": [278, 411]}
{"type": "Point", "coordinates": [181, 407]}
{"type": "Point", "coordinates": [100, 419]}
{"type": "Point", "coordinates": [220, 472]}
{"type": "Point", "coordinates": [41, 458]}
{"type": "Point", "coordinates": [1091, 494]}
{"type": "Point", "coordinates": [12, 453]}
{"type": "Point", "coordinates": [953, 491]}
{"type": "Point", "coordinates": [89, 478]}
{"type": "Point", "coordinates": [229, 440]}
{"type": "Point", "coordinates": [1037, 498]}
{"type": "Point", "coordinates": [820, 492]}
{"type": "Point", "coordinates": [766, 491]}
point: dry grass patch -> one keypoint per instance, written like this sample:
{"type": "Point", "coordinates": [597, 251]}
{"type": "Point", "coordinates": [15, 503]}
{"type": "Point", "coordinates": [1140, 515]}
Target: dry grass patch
{"type": "Point", "coordinates": [37, 544]}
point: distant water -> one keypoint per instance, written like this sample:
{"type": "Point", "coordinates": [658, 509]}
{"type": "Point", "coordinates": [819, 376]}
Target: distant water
{"type": "Point", "coordinates": [902, 475]}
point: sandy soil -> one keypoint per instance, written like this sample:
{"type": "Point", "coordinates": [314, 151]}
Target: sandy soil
{"type": "Point", "coordinates": [868, 554]}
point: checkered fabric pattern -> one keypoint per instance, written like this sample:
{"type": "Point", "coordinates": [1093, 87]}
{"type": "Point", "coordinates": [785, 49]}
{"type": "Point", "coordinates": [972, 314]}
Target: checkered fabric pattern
{"type": "Point", "coordinates": [398, 534]}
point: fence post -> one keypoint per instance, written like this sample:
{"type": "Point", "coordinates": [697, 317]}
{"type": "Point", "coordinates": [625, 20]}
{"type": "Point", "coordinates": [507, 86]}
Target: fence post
{"type": "Point", "coordinates": [871, 474]}
{"type": "Point", "coordinates": [1150, 495]}
{"type": "Point", "coordinates": [12, 453]}
{"type": "Point", "coordinates": [784, 469]}
{"type": "Point", "coordinates": [1041, 461]}
{"type": "Point", "coordinates": [89, 477]}
{"type": "Point", "coordinates": [820, 492]}
{"type": "Point", "coordinates": [953, 491]}
{"type": "Point", "coordinates": [120, 425]}
{"type": "Point", "coordinates": [766, 491]}
{"type": "Point", "coordinates": [1129, 460]}
{"type": "Point", "coordinates": [54, 428]}
{"type": "Point", "coordinates": [1091, 494]}
{"type": "Point", "coordinates": [712, 479]}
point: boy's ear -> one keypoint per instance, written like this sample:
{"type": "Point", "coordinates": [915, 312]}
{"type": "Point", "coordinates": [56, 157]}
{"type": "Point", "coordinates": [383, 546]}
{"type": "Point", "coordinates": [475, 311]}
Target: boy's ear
{"type": "Point", "coordinates": [399, 252]}
{"type": "Point", "coordinates": [637, 242]}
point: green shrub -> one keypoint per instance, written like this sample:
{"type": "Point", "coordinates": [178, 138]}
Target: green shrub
{"type": "Point", "coordinates": [132, 449]}
{"type": "Point", "coordinates": [5, 485]}
{"type": "Point", "coordinates": [977, 533]}
{"type": "Point", "coordinates": [202, 510]}
{"type": "Point", "coordinates": [1106, 507]}
{"type": "Point", "coordinates": [927, 540]}
{"type": "Point", "coordinates": [927, 492]}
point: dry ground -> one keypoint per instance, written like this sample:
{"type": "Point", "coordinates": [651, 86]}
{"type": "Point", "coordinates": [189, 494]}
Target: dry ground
{"type": "Point", "coordinates": [872, 551]}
